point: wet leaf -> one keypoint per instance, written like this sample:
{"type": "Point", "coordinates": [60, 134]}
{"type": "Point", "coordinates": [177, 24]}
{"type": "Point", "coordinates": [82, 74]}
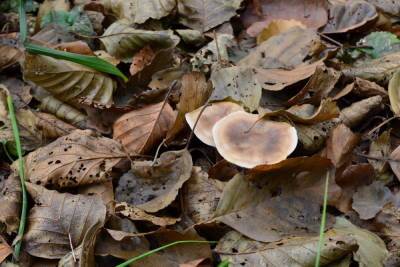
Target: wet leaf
{"type": "Point", "coordinates": [124, 46]}
{"type": "Point", "coordinates": [349, 16]}
{"type": "Point", "coordinates": [153, 186]}
{"type": "Point", "coordinates": [84, 85]}
{"type": "Point", "coordinates": [297, 252]}
{"type": "Point", "coordinates": [369, 200]}
{"type": "Point", "coordinates": [204, 15]}
{"type": "Point", "coordinates": [238, 84]}
{"type": "Point", "coordinates": [76, 159]}
{"type": "Point", "coordinates": [139, 11]}
{"type": "Point", "coordinates": [312, 13]}
{"type": "Point", "coordinates": [142, 129]}
{"type": "Point", "coordinates": [55, 216]}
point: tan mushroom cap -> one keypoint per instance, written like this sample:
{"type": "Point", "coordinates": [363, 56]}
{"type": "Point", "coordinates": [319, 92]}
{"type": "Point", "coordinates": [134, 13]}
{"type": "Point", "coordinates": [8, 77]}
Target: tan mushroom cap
{"type": "Point", "coordinates": [246, 140]}
{"type": "Point", "coordinates": [210, 116]}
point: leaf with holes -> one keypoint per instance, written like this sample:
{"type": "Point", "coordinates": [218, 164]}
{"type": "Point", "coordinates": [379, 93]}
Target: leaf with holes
{"type": "Point", "coordinates": [69, 81]}
{"type": "Point", "coordinates": [76, 159]}
{"type": "Point", "coordinates": [58, 219]}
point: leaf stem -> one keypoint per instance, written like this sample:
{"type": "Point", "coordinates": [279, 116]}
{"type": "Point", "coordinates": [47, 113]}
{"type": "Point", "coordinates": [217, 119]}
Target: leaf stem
{"type": "Point", "coordinates": [148, 253]}
{"type": "Point", "coordinates": [21, 170]}
{"type": "Point", "coordinates": [323, 221]}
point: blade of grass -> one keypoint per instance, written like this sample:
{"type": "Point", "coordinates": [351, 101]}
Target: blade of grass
{"type": "Point", "coordinates": [88, 61]}
{"type": "Point", "coordinates": [149, 253]}
{"type": "Point", "coordinates": [21, 170]}
{"type": "Point", "coordinates": [224, 263]}
{"type": "Point", "coordinates": [323, 221]}
{"type": "Point", "coordinates": [23, 30]}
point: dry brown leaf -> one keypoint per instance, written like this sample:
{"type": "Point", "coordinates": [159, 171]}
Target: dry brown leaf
{"type": "Point", "coordinates": [141, 59]}
{"type": "Point", "coordinates": [5, 249]}
{"type": "Point", "coordinates": [369, 200]}
{"type": "Point", "coordinates": [140, 130]}
{"type": "Point", "coordinates": [10, 198]}
{"type": "Point", "coordinates": [394, 93]}
{"type": "Point", "coordinates": [52, 127]}
{"type": "Point", "coordinates": [137, 214]}
{"type": "Point", "coordinates": [340, 145]}
{"type": "Point", "coordinates": [380, 147]}
{"type": "Point", "coordinates": [388, 6]}
{"type": "Point", "coordinates": [358, 111]}
{"type": "Point", "coordinates": [77, 47]}
{"type": "Point", "coordinates": [312, 13]}
{"type": "Point", "coordinates": [197, 263]}
{"type": "Point", "coordinates": [55, 216]}
{"type": "Point", "coordinates": [10, 54]}
{"type": "Point", "coordinates": [393, 164]}
{"type": "Point", "coordinates": [194, 93]}
{"type": "Point", "coordinates": [76, 159]}
{"type": "Point", "coordinates": [104, 190]}
{"type": "Point", "coordinates": [349, 16]}
{"type": "Point", "coordinates": [153, 186]}
{"type": "Point", "coordinates": [312, 137]}
{"type": "Point", "coordinates": [19, 90]}
{"type": "Point", "coordinates": [276, 27]}
{"type": "Point", "coordinates": [201, 196]}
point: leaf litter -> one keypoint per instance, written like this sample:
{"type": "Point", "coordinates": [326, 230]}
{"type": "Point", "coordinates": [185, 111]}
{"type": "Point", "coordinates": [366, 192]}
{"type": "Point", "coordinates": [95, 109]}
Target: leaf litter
{"type": "Point", "coordinates": [217, 146]}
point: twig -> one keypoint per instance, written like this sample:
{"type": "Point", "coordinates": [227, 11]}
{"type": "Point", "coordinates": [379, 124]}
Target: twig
{"type": "Point", "coordinates": [323, 221]}
{"type": "Point", "coordinates": [195, 124]}
{"type": "Point", "coordinates": [72, 247]}
{"type": "Point", "coordinates": [21, 171]}
{"type": "Point", "coordinates": [382, 124]}
{"type": "Point", "coordinates": [217, 45]}
{"type": "Point", "coordinates": [158, 151]}
{"type": "Point", "coordinates": [375, 158]}
{"type": "Point", "coordinates": [330, 40]}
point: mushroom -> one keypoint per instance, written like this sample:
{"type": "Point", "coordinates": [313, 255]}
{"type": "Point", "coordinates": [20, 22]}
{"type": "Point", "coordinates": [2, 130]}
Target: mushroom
{"type": "Point", "coordinates": [209, 117]}
{"type": "Point", "coordinates": [246, 140]}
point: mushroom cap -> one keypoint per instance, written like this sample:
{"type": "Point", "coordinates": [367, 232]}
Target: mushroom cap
{"type": "Point", "coordinates": [246, 140]}
{"type": "Point", "coordinates": [210, 116]}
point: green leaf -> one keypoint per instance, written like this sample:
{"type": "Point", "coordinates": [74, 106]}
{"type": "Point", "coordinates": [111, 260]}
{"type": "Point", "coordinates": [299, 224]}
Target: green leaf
{"type": "Point", "coordinates": [88, 61]}
{"type": "Point", "coordinates": [380, 43]}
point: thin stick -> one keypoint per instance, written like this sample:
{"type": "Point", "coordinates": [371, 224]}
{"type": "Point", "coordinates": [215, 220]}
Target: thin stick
{"type": "Point", "coordinates": [382, 124]}
{"type": "Point", "coordinates": [72, 247]}
{"type": "Point", "coordinates": [330, 39]}
{"type": "Point", "coordinates": [158, 151]}
{"type": "Point", "coordinates": [148, 253]}
{"type": "Point", "coordinates": [375, 158]}
{"type": "Point", "coordinates": [21, 170]}
{"type": "Point", "coordinates": [195, 124]}
{"type": "Point", "coordinates": [323, 221]}
{"type": "Point", "coordinates": [216, 44]}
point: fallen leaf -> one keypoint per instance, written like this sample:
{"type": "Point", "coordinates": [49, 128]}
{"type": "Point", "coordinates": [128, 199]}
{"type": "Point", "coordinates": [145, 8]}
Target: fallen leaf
{"type": "Point", "coordinates": [104, 190]}
{"type": "Point", "coordinates": [140, 130]}
{"type": "Point", "coordinates": [296, 252]}
{"type": "Point", "coordinates": [393, 164]}
{"type": "Point", "coordinates": [371, 249]}
{"type": "Point", "coordinates": [197, 263]}
{"type": "Point", "coordinates": [365, 88]}
{"type": "Point", "coordinates": [358, 111]}
{"type": "Point", "coordinates": [19, 91]}
{"type": "Point", "coordinates": [76, 159]}
{"type": "Point", "coordinates": [387, 6]}
{"type": "Point", "coordinates": [153, 186]}
{"type": "Point", "coordinates": [51, 127]}
{"type": "Point", "coordinates": [5, 249]}
{"type": "Point", "coordinates": [369, 200]}
{"type": "Point", "coordinates": [83, 84]}
{"type": "Point", "coordinates": [237, 84]}
{"type": "Point", "coordinates": [203, 15]}
{"type": "Point", "coordinates": [124, 46]}
{"type": "Point", "coordinates": [340, 145]}
{"type": "Point", "coordinates": [195, 91]}
{"type": "Point", "coordinates": [286, 50]}
{"type": "Point", "coordinates": [57, 216]}
{"type": "Point", "coordinates": [313, 137]}
{"type": "Point", "coordinates": [77, 47]}
{"type": "Point", "coordinates": [312, 13]}
{"type": "Point", "coordinates": [191, 37]}
{"type": "Point", "coordinates": [10, 56]}
{"type": "Point", "coordinates": [380, 147]}
{"type": "Point", "coordinates": [11, 198]}
{"type": "Point", "coordinates": [349, 16]}
{"type": "Point", "coordinates": [137, 214]}
{"type": "Point", "coordinates": [201, 196]}
{"type": "Point", "coordinates": [394, 92]}
{"type": "Point", "coordinates": [276, 27]}
{"type": "Point", "coordinates": [163, 79]}
{"type": "Point", "coordinates": [141, 59]}
{"type": "Point", "coordinates": [379, 43]}
{"type": "Point", "coordinates": [139, 11]}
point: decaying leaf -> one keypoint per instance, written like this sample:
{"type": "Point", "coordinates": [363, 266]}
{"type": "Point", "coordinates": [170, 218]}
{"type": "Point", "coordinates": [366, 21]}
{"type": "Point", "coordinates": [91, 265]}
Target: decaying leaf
{"type": "Point", "coordinates": [201, 196]}
{"type": "Point", "coordinates": [57, 216]}
{"type": "Point", "coordinates": [284, 51]}
{"type": "Point", "coordinates": [354, 114]}
{"type": "Point", "coordinates": [312, 13]}
{"type": "Point", "coordinates": [296, 252]}
{"type": "Point", "coordinates": [276, 27]}
{"type": "Point", "coordinates": [140, 130]}
{"type": "Point", "coordinates": [123, 41]}
{"type": "Point", "coordinates": [195, 91]}
{"type": "Point", "coordinates": [312, 137]}
{"type": "Point", "coordinates": [238, 84]}
{"type": "Point", "coordinates": [349, 16]}
{"type": "Point", "coordinates": [70, 81]}
{"type": "Point", "coordinates": [51, 127]}
{"type": "Point", "coordinates": [138, 11]}
{"type": "Point", "coordinates": [141, 59]}
{"type": "Point", "coordinates": [380, 148]}
{"type": "Point", "coordinates": [388, 6]}
{"type": "Point", "coordinates": [393, 164]}
{"type": "Point", "coordinates": [10, 198]}
{"type": "Point", "coordinates": [137, 214]}
{"type": "Point", "coordinates": [204, 15]}
{"type": "Point", "coordinates": [76, 159]}
{"type": "Point", "coordinates": [5, 249]}
{"type": "Point", "coordinates": [369, 200]}
{"type": "Point", "coordinates": [10, 56]}
{"type": "Point", "coordinates": [153, 186]}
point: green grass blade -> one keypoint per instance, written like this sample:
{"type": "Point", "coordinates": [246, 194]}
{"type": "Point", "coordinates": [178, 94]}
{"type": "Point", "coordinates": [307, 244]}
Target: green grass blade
{"type": "Point", "coordinates": [88, 61]}
{"type": "Point", "coordinates": [23, 30]}
{"type": "Point", "coordinates": [21, 170]}
{"type": "Point", "coordinates": [323, 221]}
{"type": "Point", "coordinates": [224, 263]}
{"type": "Point", "coordinates": [148, 253]}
